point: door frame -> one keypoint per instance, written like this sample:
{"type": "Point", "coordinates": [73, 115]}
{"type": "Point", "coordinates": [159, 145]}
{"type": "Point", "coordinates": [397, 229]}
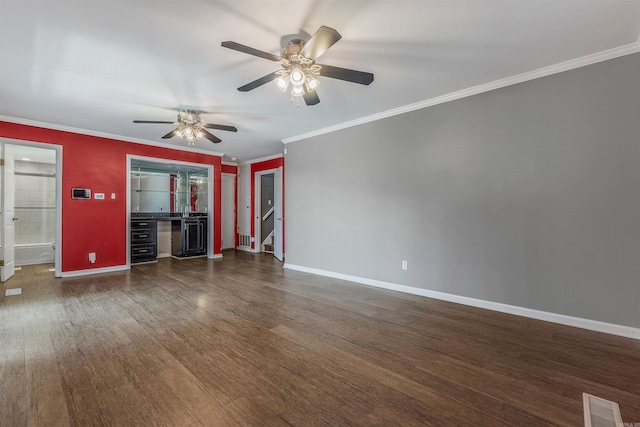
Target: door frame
{"type": "Point", "coordinates": [278, 220]}
{"type": "Point", "coordinates": [57, 250]}
{"type": "Point", "coordinates": [235, 211]}
{"type": "Point", "coordinates": [257, 220]}
{"type": "Point", "coordinates": [210, 200]}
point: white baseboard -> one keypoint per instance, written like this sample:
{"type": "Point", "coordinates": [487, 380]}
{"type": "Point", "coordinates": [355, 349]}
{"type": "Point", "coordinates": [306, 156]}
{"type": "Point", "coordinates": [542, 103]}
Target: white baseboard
{"type": "Point", "coordinates": [593, 325]}
{"type": "Point", "coordinates": [215, 256]}
{"type": "Point", "coordinates": [93, 271]}
{"type": "Point", "coordinates": [246, 249]}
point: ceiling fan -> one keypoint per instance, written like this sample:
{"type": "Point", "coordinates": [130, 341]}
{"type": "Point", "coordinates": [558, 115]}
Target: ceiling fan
{"type": "Point", "coordinates": [190, 128]}
{"type": "Point", "coordinates": [299, 67]}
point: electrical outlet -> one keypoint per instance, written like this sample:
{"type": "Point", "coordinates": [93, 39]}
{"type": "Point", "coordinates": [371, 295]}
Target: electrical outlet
{"type": "Point", "coordinates": [92, 257]}
{"type": "Point", "coordinates": [404, 264]}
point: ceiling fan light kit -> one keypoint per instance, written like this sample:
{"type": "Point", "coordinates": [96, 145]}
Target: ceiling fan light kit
{"type": "Point", "coordinates": [190, 133]}
{"type": "Point", "coordinates": [298, 71]}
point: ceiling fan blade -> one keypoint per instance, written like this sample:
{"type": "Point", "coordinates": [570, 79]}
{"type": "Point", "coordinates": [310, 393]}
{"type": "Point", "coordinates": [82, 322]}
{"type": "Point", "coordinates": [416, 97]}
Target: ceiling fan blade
{"type": "Point", "coordinates": [220, 127]}
{"type": "Point", "coordinates": [346, 74]}
{"type": "Point", "coordinates": [210, 137]}
{"type": "Point", "coordinates": [170, 134]}
{"type": "Point", "coordinates": [251, 51]}
{"type": "Point", "coordinates": [259, 82]}
{"type": "Point", "coordinates": [150, 121]}
{"type": "Point", "coordinates": [322, 40]}
{"type": "Point", "coordinates": [311, 98]}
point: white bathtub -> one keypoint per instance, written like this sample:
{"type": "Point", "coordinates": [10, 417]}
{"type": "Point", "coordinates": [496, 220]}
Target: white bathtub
{"type": "Point", "coordinates": [34, 253]}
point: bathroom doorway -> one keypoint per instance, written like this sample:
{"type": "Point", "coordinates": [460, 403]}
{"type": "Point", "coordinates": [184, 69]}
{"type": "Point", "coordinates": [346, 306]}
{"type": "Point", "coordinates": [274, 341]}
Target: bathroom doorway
{"type": "Point", "coordinates": [30, 205]}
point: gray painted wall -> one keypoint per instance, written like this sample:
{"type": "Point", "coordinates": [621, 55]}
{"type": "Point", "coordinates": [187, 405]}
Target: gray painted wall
{"type": "Point", "coordinates": [528, 195]}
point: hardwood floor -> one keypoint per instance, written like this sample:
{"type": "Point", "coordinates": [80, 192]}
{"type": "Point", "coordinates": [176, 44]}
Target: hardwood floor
{"type": "Point", "coordinates": [240, 341]}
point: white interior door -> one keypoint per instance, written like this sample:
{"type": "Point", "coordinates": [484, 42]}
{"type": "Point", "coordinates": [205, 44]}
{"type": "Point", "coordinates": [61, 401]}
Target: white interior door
{"type": "Point", "coordinates": [8, 210]}
{"type": "Point", "coordinates": [228, 211]}
{"type": "Point", "coordinates": [278, 224]}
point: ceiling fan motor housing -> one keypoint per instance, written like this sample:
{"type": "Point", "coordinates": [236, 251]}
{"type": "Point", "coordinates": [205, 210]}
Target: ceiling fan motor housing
{"type": "Point", "coordinates": [291, 55]}
{"type": "Point", "coordinates": [188, 116]}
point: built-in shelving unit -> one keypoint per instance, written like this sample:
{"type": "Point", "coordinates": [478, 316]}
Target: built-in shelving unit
{"type": "Point", "coordinates": [168, 192]}
{"type": "Point", "coordinates": [168, 188]}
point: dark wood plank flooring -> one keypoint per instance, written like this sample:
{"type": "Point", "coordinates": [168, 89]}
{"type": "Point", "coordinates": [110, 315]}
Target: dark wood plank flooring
{"type": "Point", "coordinates": [240, 341]}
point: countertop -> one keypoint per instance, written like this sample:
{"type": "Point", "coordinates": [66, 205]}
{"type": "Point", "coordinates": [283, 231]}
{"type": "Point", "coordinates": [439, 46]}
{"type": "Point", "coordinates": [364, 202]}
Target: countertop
{"type": "Point", "coordinates": [167, 216]}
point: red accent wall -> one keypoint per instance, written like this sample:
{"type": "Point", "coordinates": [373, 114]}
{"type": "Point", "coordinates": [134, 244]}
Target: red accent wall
{"type": "Point", "coordinates": [230, 169]}
{"type": "Point", "coordinates": [259, 167]}
{"type": "Point", "coordinates": [100, 164]}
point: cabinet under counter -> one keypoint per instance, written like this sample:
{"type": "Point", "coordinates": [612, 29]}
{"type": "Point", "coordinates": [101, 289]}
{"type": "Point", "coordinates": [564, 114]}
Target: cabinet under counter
{"type": "Point", "coordinates": [160, 235]}
{"type": "Point", "coordinates": [143, 240]}
{"type": "Point", "coordinates": [189, 237]}
{"type": "Point", "coordinates": [166, 243]}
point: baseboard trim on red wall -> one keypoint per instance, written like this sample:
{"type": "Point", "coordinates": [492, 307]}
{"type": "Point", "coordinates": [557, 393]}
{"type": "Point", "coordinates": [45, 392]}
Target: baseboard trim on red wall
{"type": "Point", "coordinates": [93, 271]}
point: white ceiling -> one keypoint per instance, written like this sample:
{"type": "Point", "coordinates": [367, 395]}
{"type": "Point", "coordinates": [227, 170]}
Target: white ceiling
{"type": "Point", "coordinates": [96, 65]}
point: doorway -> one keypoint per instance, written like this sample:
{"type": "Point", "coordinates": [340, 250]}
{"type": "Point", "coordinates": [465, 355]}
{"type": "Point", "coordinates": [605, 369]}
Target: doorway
{"type": "Point", "coordinates": [31, 200]}
{"type": "Point", "coordinates": [268, 222]}
{"type": "Point", "coordinates": [267, 210]}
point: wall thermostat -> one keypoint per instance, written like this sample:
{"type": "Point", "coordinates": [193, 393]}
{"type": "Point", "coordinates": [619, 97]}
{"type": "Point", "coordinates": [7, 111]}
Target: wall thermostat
{"type": "Point", "coordinates": [80, 193]}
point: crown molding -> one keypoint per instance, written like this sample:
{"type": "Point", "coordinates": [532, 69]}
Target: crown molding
{"type": "Point", "coordinates": [583, 61]}
{"type": "Point", "coordinates": [230, 163]}
{"type": "Point", "coordinates": [104, 135]}
{"type": "Point", "coordinates": [261, 159]}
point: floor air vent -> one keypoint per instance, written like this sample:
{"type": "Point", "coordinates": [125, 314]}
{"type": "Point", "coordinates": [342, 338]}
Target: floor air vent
{"type": "Point", "coordinates": [599, 412]}
{"type": "Point", "coordinates": [12, 292]}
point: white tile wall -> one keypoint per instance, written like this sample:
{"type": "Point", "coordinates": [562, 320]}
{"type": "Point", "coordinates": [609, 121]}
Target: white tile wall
{"type": "Point", "coordinates": [35, 203]}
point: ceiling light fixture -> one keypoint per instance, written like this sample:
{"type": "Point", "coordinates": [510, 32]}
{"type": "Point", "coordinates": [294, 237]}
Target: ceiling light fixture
{"type": "Point", "coordinates": [297, 71]}
{"type": "Point", "coordinates": [191, 129]}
